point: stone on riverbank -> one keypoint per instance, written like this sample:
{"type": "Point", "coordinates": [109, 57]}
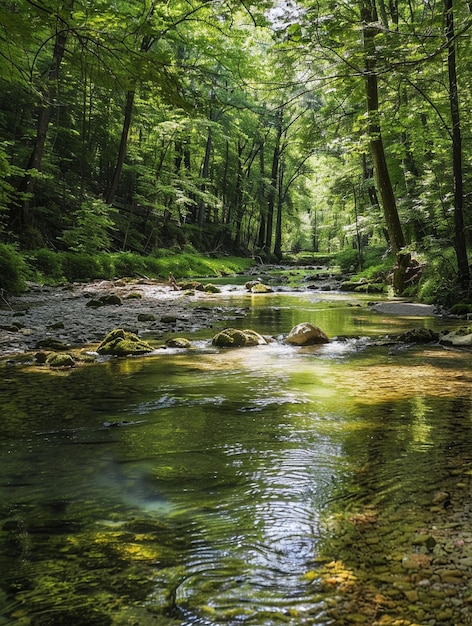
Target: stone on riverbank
{"type": "Point", "coordinates": [419, 335]}
{"type": "Point", "coordinates": [235, 338]}
{"type": "Point", "coordinates": [119, 342]}
{"type": "Point", "coordinates": [306, 334]}
{"type": "Point", "coordinates": [460, 337]}
{"type": "Point", "coordinates": [107, 300]}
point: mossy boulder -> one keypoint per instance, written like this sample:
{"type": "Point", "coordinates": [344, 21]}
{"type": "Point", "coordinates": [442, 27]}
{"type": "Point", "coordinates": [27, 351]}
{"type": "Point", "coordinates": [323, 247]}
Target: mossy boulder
{"type": "Point", "coordinates": [190, 285]}
{"type": "Point", "coordinates": [178, 342]}
{"type": "Point", "coordinates": [210, 288]}
{"type": "Point", "coordinates": [235, 338]}
{"type": "Point", "coordinates": [419, 335]}
{"type": "Point", "coordinates": [261, 288]}
{"type": "Point", "coordinates": [60, 359]}
{"type": "Point", "coordinates": [306, 334]}
{"type": "Point", "coordinates": [461, 308]}
{"type": "Point", "coordinates": [120, 342]}
{"type": "Point", "coordinates": [459, 337]}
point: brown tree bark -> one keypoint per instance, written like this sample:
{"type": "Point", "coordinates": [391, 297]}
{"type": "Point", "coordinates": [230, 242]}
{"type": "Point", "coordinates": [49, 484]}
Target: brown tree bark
{"type": "Point", "coordinates": [377, 150]}
{"type": "Point", "coordinates": [120, 159]}
{"type": "Point", "coordinates": [459, 234]}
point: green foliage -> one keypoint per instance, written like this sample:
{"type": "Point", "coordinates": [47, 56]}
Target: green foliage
{"type": "Point", "coordinates": [46, 262]}
{"type": "Point", "coordinates": [91, 231]}
{"type": "Point", "coordinates": [348, 260]}
{"type": "Point", "coordinates": [80, 266]}
{"type": "Point", "coordinates": [128, 264]}
{"type": "Point", "coordinates": [13, 270]}
{"type": "Point", "coordinates": [438, 284]}
{"type": "Point", "coordinates": [49, 266]}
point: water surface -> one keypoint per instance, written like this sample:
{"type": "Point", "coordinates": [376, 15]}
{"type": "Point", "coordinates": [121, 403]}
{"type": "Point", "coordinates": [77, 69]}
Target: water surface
{"type": "Point", "coordinates": [203, 487]}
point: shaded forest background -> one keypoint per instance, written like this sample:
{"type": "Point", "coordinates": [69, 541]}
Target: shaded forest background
{"type": "Point", "coordinates": [226, 127]}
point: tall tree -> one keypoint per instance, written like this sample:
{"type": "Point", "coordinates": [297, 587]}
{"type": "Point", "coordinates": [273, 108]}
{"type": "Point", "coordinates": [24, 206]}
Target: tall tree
{"type": "Point", "coordinates": [460, 240]}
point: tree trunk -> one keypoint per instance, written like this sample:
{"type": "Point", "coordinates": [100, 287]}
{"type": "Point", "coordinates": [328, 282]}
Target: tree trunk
{"type": "Point", "coordinates": [115, 181]}
{"type": "Point", "coordinates": [278, 222]}
{"type": "Point", "coordinates": [146, 44]}
{"type": "Point", "coordinates": [274, 182]}
{"type": "Point", "coordinates": [384, 183]}
{"type": "Point", "coordinates": [459, 238]}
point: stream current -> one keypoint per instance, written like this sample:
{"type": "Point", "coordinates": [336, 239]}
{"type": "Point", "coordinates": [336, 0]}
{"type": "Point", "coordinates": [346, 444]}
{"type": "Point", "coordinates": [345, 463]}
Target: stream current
{"type": "Point", "coordinates": [264, 485]}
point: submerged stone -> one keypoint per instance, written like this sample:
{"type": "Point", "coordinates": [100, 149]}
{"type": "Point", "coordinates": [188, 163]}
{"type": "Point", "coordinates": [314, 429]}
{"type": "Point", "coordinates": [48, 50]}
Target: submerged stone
{"type": "Point", "coordinates": [235, 338]}
{"type": "Point", "coordinates": [306, 334]}
{"type": "Point", "coordinates": [120, 342]}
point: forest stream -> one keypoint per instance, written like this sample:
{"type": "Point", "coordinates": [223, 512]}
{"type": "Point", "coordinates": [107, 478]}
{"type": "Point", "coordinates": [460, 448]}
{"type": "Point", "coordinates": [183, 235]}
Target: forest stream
{"type": "Point", "coordinates": [267, 485]}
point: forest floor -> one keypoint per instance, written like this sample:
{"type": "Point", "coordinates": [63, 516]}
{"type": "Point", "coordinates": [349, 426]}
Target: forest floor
{"type": "Point", "coordinates": [64, 313]}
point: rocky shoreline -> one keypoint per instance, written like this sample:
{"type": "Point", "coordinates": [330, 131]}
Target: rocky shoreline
{"type": "Point", "coordinates": [82, 314]}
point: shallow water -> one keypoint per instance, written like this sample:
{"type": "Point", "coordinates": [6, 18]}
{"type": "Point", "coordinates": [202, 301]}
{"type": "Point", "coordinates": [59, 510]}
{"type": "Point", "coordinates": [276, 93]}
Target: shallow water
{"type": "Point", "coordinates": [202, 487]}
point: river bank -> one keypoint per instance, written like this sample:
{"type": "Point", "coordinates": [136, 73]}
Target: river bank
{"type": "Point", "coordinates": [81, 314]}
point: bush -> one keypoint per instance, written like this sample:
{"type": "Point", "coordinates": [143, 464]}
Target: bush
{"type": "Point", "coordinates": [46, 262]}
{"type": "Point", "coordinates": [81, 266]}
{"type": "Point", "coordinates": [128, 264]}
{"type": "Point", "coordinates": [13, 270]}
{"type": "Point", "coordinates": [348, 260]}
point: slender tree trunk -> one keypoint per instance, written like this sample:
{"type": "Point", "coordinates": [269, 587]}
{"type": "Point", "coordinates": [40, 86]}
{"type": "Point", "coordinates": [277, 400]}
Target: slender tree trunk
{"type": "Point", "coordinates": [278, 222]}
{"type": "Point", "coordinates": [273, 183]}
{"type": "Point", "coordinates": [205, 170]}
{"type": "Point", "coordinates": [460, 240]}
{"type": "Point", "coordinates": [115, 181]}
{"type": "Point", "coordinates": [146, 44]}
{"type": "Point", "coordinates": [261, 194]}
{"type": "Point", "coordinates": [382, 175]}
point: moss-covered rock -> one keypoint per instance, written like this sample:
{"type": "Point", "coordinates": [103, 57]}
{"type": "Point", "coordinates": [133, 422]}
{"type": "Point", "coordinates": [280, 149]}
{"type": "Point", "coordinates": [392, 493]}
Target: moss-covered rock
{"type": "Point", "coordinates": [60, 359]}
{"type": "Point", "coordinates": [306, 334]}
{"type": "Point", "coordinates": [261, 288]}
{"type": "Point", "coordinates": [235, 338]}
{"type": "Point", "coordinates": [210, 288]}
{"type": "Point", "coordinates": [119, 342]}
{"type": "Point", "coordinates": [419, 335]}
{"type": "Point", "coordinates": [459, 337]}
{"type": "Point", "coordinates": [461, 308]}
{"type": "Point", "coordinates": [178, 342]}
{"type": "Point", "coordinates": [192, 285]}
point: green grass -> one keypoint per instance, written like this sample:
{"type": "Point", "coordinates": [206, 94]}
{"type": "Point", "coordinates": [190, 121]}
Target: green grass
{"type": "Point", "coordinates": [55, 267]}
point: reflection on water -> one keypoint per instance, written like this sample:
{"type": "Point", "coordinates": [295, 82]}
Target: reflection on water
{"type": "Point", "coordinates": [197, 488]}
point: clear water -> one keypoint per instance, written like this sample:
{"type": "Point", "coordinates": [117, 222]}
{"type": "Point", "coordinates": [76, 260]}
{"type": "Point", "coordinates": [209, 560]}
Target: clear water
{"type": "Point", "coordinates": [200, 487]}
